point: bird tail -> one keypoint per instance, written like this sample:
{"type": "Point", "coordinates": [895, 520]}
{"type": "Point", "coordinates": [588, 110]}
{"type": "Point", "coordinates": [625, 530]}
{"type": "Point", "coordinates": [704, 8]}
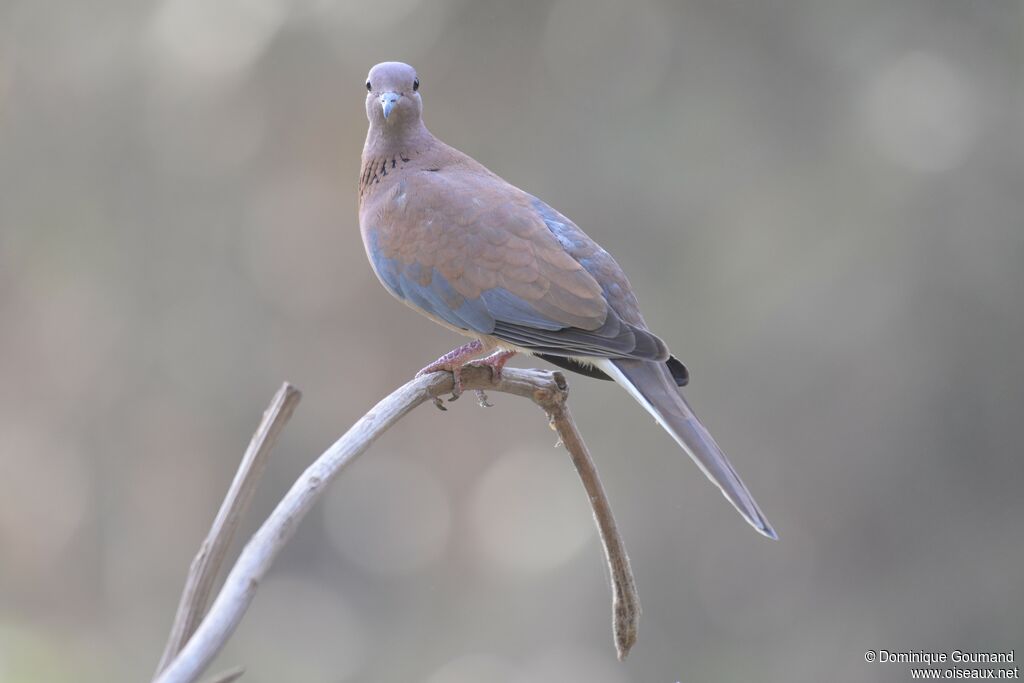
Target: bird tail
{"type": "Point", "coordinates": [653, 387]}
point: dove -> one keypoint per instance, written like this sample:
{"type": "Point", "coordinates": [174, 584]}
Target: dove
{"type": "Point", "coordinates": [472, 252]}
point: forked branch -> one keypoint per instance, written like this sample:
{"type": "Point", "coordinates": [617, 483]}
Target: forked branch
{"type": "Point", "coordinates": [548, 390]}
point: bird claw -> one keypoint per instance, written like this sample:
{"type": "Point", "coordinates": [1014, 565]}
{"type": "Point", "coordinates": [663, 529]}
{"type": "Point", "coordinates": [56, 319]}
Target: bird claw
{"type": "Point", "coordinates": [457, 388]}
{"type": "Point", "coordinates": [456, 383]}
{"type": "Point", "coordinates": [481, 397]}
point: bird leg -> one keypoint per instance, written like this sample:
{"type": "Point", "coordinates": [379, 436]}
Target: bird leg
{"type": "Point", "coordinates": [453, 361]}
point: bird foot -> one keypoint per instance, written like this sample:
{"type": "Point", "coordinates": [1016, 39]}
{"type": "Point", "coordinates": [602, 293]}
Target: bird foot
{"type": "Point", "coordinates": [456, 359]}
{"type": "Point", "coordinates": [496, 362]}
{"type": "Point", "coordinates": [452, 362]}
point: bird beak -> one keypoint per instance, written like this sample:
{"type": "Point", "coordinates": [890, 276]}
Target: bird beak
{"type": "Point", "coordinates": [388, 101]}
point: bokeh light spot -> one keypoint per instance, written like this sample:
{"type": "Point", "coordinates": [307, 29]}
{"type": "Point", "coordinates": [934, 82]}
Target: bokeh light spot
{"type": "Point", "coordinates": [388, 516]}
{"type": "Point", "coordinates": [529, 512]}
{"type": "Point", "coordinates": [44, 496]}
{"type": "Point", "coordinates": [214, 39]}
{"type": "Point", "coordinates": [918, 113]}
{"type": "Point", "coordinates": [605, 47]}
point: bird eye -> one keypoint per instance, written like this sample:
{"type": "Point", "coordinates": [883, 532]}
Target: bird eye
{"type": "Point", "coordinates": [416, 85]}
{"type": "Point", "coordinates": [368, 88]}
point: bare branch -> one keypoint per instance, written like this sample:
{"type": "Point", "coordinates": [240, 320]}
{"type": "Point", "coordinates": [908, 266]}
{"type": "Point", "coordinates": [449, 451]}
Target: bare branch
{"type": "Point", "coordinates": [546, 389]}
{"type": "Point", "coordinates": [206, 566]}
{"type": "Point", "coordinates": [625, 600]}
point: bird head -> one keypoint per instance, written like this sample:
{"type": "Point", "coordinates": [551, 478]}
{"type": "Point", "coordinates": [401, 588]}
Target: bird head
{"type": "Point", "coordinates": [393, 98]}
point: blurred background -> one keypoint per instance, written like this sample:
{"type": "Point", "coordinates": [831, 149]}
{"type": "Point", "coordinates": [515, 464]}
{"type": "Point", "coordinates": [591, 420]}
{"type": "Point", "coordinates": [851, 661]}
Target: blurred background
{"type": "Point", "coordinates": [819, 204]}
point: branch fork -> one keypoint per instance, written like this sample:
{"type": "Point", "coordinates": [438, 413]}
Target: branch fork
{"type": "Point", "coordinates": [196, 639]}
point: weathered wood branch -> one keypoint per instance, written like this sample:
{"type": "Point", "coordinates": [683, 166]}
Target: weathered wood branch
{"type": "Point", "coordinates": [548, 390]}
{"type": "Point", "coordinates": [208, 562]}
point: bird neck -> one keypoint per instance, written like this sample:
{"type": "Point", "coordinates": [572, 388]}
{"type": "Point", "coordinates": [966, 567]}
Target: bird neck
{"type": "Point", "coordinates": [388, 151]}
{"type": "Point", "coordinates": [382, 140]}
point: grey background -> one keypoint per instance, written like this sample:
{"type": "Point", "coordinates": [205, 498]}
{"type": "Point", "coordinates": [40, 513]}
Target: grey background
{"type": "Point", "coordinates": [819, 205]}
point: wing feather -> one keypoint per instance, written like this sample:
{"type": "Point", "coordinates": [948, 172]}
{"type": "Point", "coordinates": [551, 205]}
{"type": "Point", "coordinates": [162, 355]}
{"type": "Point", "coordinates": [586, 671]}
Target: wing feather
{"type": "Point", "coordinates": [486, 257]}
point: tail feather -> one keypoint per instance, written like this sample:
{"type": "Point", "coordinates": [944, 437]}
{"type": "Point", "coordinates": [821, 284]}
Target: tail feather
{"type": "Point", "coordinates": [653, 387]}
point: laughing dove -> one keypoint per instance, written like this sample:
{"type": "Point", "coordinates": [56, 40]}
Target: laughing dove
{"type": "Point", "coordinates": [483, 258]}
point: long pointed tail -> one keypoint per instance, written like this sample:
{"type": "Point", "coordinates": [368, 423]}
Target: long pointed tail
{"type": "Point", "coordinates": [652, 386]}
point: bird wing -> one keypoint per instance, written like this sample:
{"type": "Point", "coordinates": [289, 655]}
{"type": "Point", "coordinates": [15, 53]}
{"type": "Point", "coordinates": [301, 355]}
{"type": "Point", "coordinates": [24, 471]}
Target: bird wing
{"type": "Point", "coordinates": [470, 249]}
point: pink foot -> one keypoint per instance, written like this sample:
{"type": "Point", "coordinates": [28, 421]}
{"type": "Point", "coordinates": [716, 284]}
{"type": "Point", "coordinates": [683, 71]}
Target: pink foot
{"type": "Point", "coordinates": [496, 361]}
{"type": "Point", "coordinates": [453, 361]}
